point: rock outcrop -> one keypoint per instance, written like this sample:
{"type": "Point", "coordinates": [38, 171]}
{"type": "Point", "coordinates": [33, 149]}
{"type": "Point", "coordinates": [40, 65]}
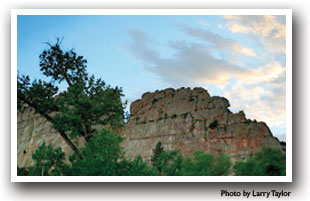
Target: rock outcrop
{"type": "Point", "coordinates": [185, 119]}
{"type": "Point", "coordinates": [32, 131]}
{"type": "Point", "coordinates": [191, 120]}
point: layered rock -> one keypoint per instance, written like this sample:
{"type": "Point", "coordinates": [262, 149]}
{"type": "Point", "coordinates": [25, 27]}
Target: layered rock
{"type": "Point", "coordinates": [32, 131]}
{"type": "Point", "coordinates": [191, 120]}
{"type": "Point", "coordinates": [185, 119]}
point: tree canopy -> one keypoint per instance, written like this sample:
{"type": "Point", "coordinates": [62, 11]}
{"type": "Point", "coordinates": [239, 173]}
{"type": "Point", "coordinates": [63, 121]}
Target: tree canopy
{"type": "Point", "coordinates": [268, 162]}
{"type": "Point", "coordinates": [86, 103]}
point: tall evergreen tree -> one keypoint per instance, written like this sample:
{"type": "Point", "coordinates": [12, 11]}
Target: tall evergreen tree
{"type": "Point", "coordinates": [157, 151]}
{"type": "Point", "coordinates": [86, 103]}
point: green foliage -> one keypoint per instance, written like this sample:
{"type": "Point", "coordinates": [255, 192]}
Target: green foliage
{"type": "Point", "coordinates": [22, 171]}
{"type": "Point", "coordinates": [156, 153]}
{"type": "Point", "coordinates": [200, 164]}
{"type": "Point", "coordinates": [222, 165]}
{"type": "Point", "coordinates": [104, 156]}
{"type": "Point", "coordinates": [60, 65]}
{"type": "Point", "coordinates": [137, 167]}
{"type": "Point", "coordinates": [48, 162]}
{"type": "Point", "coordinates": [101, 156]}
{"type": "Point", "coordinates": [214, 124]}
{"type": "Point", "coordinates": [167, 163]}
{"type": "Point", "coordinates": [86, 103]}
{"type": "Point", "coordinates": [203, 164]}
{"type": "Point", "coordinates": [268, 162]}
{"type": "Point", "coordinates": [172, 163]}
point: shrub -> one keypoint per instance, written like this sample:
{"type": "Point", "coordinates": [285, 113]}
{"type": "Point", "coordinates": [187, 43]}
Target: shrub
{"type": "Point", "coordinates": [268, 162]}
{"type": "Point", "coordinates": [47, 161]}
{"type": "Point", "coordinates": [203, 164]}
{"type": "Point", "coordinates": [213, 125]}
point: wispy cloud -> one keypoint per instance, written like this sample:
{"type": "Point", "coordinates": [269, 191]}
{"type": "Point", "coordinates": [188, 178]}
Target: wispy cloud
{"type": "Point", "coordinates": [190, 62]}
{"type": "Point", "coordinates": [261, 25]}
{"type": "Point", "coordinates": [204, 23]}
{"type": "Point", "coordinates": [195, 62]}
{"type": "Point", "coordinates": [271, 29]}
{"type": "Point", "coordinates": [139, 48]}
{"type": "Point", "coordinates": [217, 41]}
{"type": "Point", "coordinates": [260, 101]}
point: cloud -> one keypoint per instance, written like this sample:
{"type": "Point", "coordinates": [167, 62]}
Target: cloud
{"type": "Point", "coordinates": [259, 91]}
{"type": "Point", "coordinates": [204, 23]}
{"type": "Point", "coordinates": [259, 102]}
{"type": "Point", "coordinates": [190, 62]}
{"type": "Point", "coordinates": [140, 47]}
{"type": "Point", "coordinates": [270, 72]}
{"type": "Point", "coordinates": [195, 62]}
{"type": "Point", "coordinates": [217, 41]}
{"type": "Point", "coordinates": [270, 29]}
{"type": "Point", "coordinates": [264, 100]}
{"type": "Point", "coordinates": [261, 25]}
{"type": "Point", "coordinates": [275, 45]}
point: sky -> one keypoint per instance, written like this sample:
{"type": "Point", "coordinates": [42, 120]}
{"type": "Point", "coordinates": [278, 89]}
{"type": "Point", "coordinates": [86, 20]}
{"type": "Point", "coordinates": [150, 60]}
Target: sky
{"type": "Point", "coordinates": [239, 57]}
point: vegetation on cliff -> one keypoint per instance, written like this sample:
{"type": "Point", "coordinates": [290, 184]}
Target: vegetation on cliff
{"type": "Point", "coordinates": [269, 161]}
{"type": "Point", "coordinates": [104, 156]}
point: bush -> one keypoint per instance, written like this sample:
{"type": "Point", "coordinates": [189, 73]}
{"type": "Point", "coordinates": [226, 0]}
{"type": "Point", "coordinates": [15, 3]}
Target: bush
{"type": "Point", "coordinates": [268, 162]}
{"type": "Point", "coordinates": [172, 163]}
{"type": "Point", "coordinates": [214, 124]}
{"type": "Point", "coordinates": [137, 167]}
{"type": "Point", "coordinates": [203, 164]}
{"type": "Point", "coordinates": [104, 156]}
{"type": "Point", "coordinates": [101, 156]}
{"type": "Point", "coordinates": [48, 161]}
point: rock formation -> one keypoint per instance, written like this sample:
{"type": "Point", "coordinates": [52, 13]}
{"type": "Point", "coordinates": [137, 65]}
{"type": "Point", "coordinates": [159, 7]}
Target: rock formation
{"type": "Point", "coordinates": [191, 120]}
{"type": "Point", "coordinates": [32, 131]}
{"type": "Point", "coordinates": [185, 119]}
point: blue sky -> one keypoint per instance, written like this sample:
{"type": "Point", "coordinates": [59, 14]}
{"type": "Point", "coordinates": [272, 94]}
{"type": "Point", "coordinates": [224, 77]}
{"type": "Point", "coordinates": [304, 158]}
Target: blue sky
{"type": "Point", "coordinates": [239, 57]}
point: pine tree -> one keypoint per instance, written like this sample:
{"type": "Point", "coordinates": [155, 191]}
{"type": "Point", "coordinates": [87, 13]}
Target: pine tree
{"type": "Point", "coordinates": [86, 103]}
{"type": "Point", "coordinates": [157, 151]}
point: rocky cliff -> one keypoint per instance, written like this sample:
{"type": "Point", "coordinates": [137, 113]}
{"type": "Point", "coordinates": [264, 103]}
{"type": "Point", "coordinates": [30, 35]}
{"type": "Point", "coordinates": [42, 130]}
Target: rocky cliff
{"type": "Point", "coordinates": [32, 131]}
{"type": "Point", "coordinates": [185, 119]}
{"type": "Point", "coordinates": [191, 120]}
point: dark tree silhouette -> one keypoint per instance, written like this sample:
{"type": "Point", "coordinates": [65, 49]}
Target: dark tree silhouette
{"type": "Point", "coordinates": [86, 103]}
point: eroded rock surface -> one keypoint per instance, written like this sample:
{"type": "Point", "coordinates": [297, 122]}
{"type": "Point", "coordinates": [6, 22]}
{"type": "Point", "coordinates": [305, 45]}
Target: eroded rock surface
{"type": "Point", "coordinates": [32, 131]}
{"type": "Point", "coordinates": [189, 120]}
{"type": "Point", "coordinates": [185, 119]}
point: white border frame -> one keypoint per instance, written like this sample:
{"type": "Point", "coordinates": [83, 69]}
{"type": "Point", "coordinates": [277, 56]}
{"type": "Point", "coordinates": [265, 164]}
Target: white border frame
{"type": "Point", "coordinates": [286, 12]}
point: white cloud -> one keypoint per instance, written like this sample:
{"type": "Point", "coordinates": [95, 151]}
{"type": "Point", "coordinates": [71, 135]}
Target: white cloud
{"type": "Point", "coordinates": [263, 25]}
{"type": "Point", "coordinates": [270, 29]}
{"type": "Point", "coordinates": [194, 61]}
{"type": "Point", "coordinates": [218, 41]}
{"type": "Point", "coordinates": [259, 102]}
{"type": "Point", "coordinates": [204, 23]}
{"type": "Point", "coordinates": [275, 45]}
{"type": "Point", "coordinates": [191, 62]}
{"type": "Point", "coordinates": [140, 47]}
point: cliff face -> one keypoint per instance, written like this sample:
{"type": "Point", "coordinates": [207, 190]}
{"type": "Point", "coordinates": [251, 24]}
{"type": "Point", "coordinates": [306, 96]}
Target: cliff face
{"type": "Point", "coordinates": [192, 120]}
{"type": "Point", "coordinates": [183, 119]}
{"type": "Point", "coordinates": [32, 131]}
